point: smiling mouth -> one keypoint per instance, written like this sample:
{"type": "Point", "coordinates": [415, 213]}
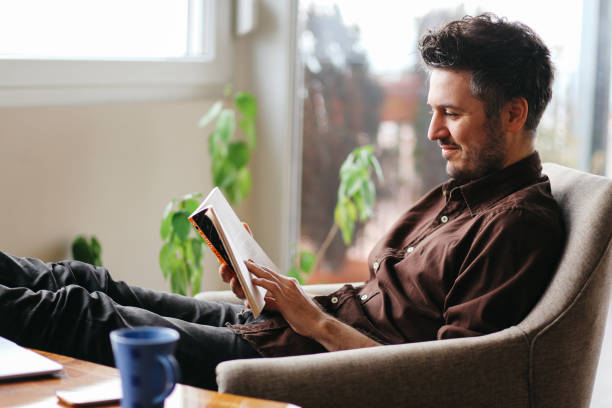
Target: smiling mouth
{"type": "Point", "coordinates": [448, 149]}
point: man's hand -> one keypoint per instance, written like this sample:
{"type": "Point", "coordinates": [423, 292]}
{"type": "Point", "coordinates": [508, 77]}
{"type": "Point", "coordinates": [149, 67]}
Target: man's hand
{"type": "Point", "coordinates": [304, 315]}
{"type": "Point", "coordinates": [228, 276]}
{"type": "Point", "coordinates": [286, 296]}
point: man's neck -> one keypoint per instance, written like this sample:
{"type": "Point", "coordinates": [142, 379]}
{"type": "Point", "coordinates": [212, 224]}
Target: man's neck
{"type": "Point", "coordinates": [520, 145]}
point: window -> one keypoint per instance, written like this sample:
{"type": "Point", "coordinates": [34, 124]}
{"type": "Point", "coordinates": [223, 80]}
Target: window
{"type": "Point", "coordinates": [88, 50]}
{"type": "Point", "coordinates": [362, 85]}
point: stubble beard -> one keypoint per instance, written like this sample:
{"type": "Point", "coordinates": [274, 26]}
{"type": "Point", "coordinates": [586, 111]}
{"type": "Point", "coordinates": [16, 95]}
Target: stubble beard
{"type": "Point", "coordinates": [482, 160]}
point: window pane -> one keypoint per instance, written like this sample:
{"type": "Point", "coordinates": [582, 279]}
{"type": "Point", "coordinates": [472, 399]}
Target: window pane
{"type": "Point", "coordinates": [363, 85]}
{"type": "Point", "coordinates": [93, 28]}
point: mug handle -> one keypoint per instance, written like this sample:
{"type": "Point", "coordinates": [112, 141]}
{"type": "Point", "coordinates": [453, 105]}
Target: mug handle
{"type": "Point", "coordinates": [171, 368]}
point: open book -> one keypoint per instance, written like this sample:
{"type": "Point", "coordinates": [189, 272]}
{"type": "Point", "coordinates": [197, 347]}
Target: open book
{"type": "Point", "coordinates": [226, 236]}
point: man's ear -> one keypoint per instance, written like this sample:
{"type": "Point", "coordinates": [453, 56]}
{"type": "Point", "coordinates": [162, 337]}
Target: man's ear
{"type": "Point", "coordinates": [514, 114]}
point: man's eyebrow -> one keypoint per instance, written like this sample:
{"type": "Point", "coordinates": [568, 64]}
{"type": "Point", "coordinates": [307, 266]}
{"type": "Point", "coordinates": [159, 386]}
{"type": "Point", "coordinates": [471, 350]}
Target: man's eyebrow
{"type": "Point", "coordinates": [446, 106]}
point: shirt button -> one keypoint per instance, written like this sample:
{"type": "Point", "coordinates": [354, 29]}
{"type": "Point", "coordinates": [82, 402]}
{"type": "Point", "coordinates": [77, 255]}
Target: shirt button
{"type": "Point", "coordinates": [334, 300]}
{"type": "Point", "coordinates": [409, 250]}
{"type": "Point", "coordinates": [364, 297]}
{"type": "Point", "coordinates": [375, 265]}
{"type": "Point", "coordinates": [444, 219]}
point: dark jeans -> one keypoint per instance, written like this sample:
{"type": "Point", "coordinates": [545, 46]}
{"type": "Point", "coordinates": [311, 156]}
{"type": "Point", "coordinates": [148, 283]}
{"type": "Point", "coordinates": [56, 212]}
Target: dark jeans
{"type": "Point", "coordinates": [71, 307]}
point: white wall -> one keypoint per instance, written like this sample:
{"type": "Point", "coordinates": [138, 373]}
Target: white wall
{"type": "Point", "coordinates": [109, 169]}
{"type": "Point", "coordinates": [98, 169]}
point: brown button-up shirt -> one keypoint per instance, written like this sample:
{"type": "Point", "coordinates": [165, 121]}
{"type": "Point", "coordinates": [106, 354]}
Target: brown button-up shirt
{"type": "Point", "coordinates": [467, 259]}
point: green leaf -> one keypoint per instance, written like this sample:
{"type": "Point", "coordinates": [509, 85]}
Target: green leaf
{"type": "Point", "coordinates": [307, 260]}
{"type": "Point", "coordinates": [232, 192]}
{"type": "Point", "coordinates": [96, 248]}
{"type": "Point", "coordinates": [87, 250]}
{"type": "Point", "coordinates": [181, 225]}
{"type": "Point", "coordinates": [166, 224]}
{"type": "Point", "coordinates": [216, 145]}
{"type": "Point", "coordinates": [345, 215]}
{"type": "Point", "coordinates": [178, 276]}
{"type": "Point", "coordinates": [364, 154]}
{"type": "Point", "coordinates": [248, 128]}
{"type": "Point", "coordinates": [246, 104]}
{"type": "Point", "coordinates": [80, 250]}
{"type": "Point", "coordinates": [362, 210]}
{"type": "Point", "coordinates": [376, 166]}
{"type": "Point", "coordinates": [238, 154]}
{"type": "Point", "coordinates": [177, 279]}
{"type": "Point", "coordinates": [353, 182]}
{"type": "Point", "coordinates": [189, 196]}
{"type": "Point", "coordinates": [190, 205]}
{"type": "Point", "coordinates": [369, 194]}
{"type": "Point", "coordinates": [347, 234]}
{"type": "Point", "coordinates": [196, 281]}
{"type": "Point", "coordinates": [196, 249]}
{"type": "Point", "coordinates": [223, 174]}
{"type": "Point", "coordinates": [351, 211]}
{"type": "Point", "coordinates": [340, 216]}
{"type": "Point", "coordinates": [243, 183]}
{"type": "Point", "coordinates": [188, 254]}
{"type": "Point", "coordinates": [166, 257]}
{"type": "Point", "coordinates": [226, 125]}
{"type": "Point", "coordinates": [348, 165]}
{"type": "Point", "coordinates": [212, 113]}
{"type": "Point", "coordinates": [166, 227]}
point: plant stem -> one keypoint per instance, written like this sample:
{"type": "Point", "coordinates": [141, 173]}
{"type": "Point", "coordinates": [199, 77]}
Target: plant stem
{"type": "Point", "coordinates": [328, 240]}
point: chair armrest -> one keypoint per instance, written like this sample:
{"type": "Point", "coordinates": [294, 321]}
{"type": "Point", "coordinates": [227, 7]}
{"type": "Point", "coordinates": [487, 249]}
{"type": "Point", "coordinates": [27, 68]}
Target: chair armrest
{"type": "Point", "coordinates": [320, 289]}
{"type": "Point", "coordinates": [229, 297]}
{"type": "Point", "coordinates": [489, 370]}
{"type": "Point", "coordinates": [226, 296]}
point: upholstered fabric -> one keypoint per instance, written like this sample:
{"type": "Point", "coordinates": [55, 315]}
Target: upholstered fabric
{"type": "Point", "coordinates": [548, 360]}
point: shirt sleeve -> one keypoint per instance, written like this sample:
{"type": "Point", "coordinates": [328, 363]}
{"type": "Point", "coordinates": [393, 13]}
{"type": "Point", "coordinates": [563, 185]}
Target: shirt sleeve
{"type": "Point", "coordinates": [508, 265]}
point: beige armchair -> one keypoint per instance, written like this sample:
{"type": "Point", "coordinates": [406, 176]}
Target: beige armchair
{"type": "Point", "coordinates": [547, 360]}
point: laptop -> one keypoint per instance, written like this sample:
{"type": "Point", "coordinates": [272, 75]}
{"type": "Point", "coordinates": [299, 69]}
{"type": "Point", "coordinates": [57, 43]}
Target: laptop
{"type": "Point", "coordinates": [18, 362]}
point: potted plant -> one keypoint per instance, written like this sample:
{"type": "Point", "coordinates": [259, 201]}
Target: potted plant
{"type": "Point", "coordinates": [181, 255]}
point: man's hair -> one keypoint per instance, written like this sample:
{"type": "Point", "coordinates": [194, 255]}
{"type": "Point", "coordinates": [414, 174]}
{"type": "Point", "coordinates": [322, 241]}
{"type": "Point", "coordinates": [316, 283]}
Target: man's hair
{"type": "Point", "coordinates": [507, 60]}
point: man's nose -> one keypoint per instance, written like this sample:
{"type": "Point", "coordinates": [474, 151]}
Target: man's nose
{"type": "Point", "coordinates": [437, 128]}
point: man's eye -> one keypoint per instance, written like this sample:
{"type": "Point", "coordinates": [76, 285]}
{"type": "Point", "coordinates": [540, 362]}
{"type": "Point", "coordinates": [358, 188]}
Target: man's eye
{"type": "Point", "coordinates": [451, 114]}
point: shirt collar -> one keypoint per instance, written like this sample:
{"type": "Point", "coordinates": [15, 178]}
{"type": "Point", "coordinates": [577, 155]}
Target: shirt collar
{"type": "Point", "coordinates": [488, 189]}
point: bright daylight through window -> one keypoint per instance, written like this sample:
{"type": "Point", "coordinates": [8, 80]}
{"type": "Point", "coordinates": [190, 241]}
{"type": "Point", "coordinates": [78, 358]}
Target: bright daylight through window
{"type": "Point", "coordinates": [87, 51]}
{"type": "Point", "coordinates": [111, 29]}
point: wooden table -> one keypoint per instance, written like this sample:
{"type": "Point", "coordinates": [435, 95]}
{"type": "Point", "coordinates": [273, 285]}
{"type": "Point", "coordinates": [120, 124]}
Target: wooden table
{"type": "Point", "coordinates": [40, 392]}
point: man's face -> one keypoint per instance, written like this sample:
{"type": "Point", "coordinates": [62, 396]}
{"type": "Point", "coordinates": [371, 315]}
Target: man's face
{"type": "Point", "coordinates": [472, 144]}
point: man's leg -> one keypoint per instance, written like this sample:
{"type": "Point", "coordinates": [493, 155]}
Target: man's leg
{"type": "Point", "coordinates": [37, 275]}
{"type": "Point", "coordinates": [76, 320]}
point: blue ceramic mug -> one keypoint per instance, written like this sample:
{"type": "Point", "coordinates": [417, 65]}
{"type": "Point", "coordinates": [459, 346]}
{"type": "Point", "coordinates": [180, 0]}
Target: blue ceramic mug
{"type": "Point", "coordinates": [146, 365]}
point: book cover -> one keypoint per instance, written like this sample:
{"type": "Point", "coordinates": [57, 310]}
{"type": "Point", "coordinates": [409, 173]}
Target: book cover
{"type": "Point", "coordinates": [226, 236]}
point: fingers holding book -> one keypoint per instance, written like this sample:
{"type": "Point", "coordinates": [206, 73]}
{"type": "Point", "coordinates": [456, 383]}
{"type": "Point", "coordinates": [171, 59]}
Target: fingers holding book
{"type": "Point", "coordinates": [285, 295]}
{"type": "Point", "coordinates": [228, 276]}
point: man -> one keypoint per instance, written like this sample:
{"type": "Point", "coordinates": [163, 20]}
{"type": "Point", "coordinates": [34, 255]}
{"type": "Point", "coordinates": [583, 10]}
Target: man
{"type": "Point", "coordinates": [471, 257]}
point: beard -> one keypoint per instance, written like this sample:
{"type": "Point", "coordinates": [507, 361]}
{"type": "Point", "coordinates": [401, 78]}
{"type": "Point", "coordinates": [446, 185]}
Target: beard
{"type": "Point", "coordinates": [478, 161]}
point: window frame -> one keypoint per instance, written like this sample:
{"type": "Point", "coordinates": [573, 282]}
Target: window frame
{"type": "Point", "coordinates": [38, 81]}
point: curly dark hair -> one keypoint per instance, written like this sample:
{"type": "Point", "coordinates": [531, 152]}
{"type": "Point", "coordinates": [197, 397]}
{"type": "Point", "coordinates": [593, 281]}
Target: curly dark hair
{"type": "Point", "coordinates": [507, 60]}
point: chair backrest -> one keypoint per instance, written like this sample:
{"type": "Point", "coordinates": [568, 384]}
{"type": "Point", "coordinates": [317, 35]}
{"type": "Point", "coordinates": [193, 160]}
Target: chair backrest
{"type": "Point", "coordinates": [565, 329]}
